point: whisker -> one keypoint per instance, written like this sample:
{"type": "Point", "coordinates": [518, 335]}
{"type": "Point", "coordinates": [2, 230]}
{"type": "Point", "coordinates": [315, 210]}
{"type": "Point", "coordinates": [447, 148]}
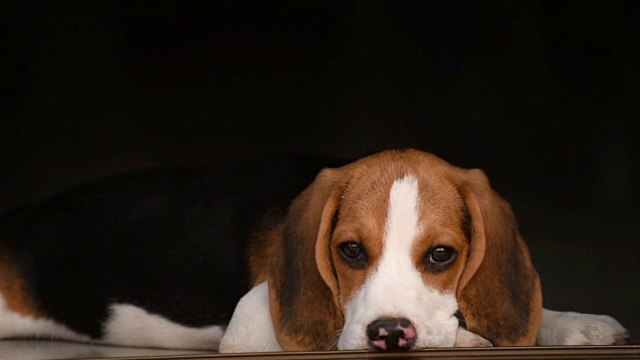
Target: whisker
{"type": "Point", "coordinates": [335, 337]}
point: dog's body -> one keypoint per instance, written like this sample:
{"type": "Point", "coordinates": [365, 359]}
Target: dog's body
{"type": "Point", "coordinates": [398, 250]}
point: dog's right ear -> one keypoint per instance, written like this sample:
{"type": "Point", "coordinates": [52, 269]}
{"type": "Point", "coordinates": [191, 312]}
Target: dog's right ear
{"type": "Point", "coordinates": [499, 292]}
{"type": "Point", "coordinates": [302, 283]}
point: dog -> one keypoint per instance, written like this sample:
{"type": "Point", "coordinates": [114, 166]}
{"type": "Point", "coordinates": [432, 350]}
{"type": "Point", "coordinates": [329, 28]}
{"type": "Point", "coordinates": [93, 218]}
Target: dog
{"type": "Point", "coordinates": [396, 250]}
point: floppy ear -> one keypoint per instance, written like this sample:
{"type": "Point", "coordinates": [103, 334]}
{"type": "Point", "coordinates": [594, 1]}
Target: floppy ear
{"type": "Point", "coordinates": [499, 292]}
{"type": "Point", "coordinates": [302, 282]}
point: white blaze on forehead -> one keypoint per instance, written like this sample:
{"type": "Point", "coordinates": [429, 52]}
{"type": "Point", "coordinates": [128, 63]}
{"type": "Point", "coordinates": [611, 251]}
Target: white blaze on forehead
{"type": "Point", "coordinates": [402, 225]}
{"type": "Point", "coordinates": [395, 288]}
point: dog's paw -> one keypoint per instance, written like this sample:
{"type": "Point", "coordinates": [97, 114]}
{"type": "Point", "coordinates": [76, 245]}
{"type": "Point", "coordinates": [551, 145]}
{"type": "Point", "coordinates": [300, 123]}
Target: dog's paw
{"type": "Point", "coordinates": [465, 338]}
{"type": "Point", "coordinates": [571, 328]}
{"type": "Point", "coordinates": [602, 330]}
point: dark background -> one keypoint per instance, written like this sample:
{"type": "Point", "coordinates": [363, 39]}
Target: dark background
{"type": "Point", "coordinates": [541, 95]}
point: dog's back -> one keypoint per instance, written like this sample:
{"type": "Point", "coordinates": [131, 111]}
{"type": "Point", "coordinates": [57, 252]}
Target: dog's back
{"type": "Point", "coordinates": [170, 241]}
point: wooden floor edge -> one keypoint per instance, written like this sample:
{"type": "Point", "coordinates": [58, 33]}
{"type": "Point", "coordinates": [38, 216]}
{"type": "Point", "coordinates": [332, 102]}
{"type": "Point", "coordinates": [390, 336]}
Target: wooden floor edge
{"type": "Point", "coordinates": [502, 353]}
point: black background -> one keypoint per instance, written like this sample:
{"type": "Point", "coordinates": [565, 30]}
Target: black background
{"type": "Point", "coordinates": [541, 95]}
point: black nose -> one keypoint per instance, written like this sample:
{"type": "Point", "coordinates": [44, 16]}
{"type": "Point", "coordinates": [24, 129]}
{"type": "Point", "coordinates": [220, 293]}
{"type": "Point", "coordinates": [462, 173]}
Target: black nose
{"type": "Point", "coordinates": [391, 334]}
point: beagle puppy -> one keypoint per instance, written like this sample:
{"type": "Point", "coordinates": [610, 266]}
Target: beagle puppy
{"type": "Point", "coordinates": [398, 250]}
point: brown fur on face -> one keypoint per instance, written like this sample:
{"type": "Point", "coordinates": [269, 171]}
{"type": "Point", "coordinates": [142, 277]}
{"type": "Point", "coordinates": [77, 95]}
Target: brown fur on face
{"type": "Point", "coordinates": [496, 286]}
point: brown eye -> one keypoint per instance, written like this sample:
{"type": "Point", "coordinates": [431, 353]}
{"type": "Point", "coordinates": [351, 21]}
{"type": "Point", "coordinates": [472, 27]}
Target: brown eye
{"type": "Point", "coordinates": [351, 250]}
{"type": "Point", "coordinates": [439, 258]}
{"type": "Point", "coordinates": [441, 255]}
{"type": "Point", "coordinates": [353, 254]}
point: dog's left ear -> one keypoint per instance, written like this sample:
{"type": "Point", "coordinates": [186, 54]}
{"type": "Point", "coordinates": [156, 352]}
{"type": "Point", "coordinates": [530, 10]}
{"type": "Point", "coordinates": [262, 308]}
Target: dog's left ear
{"type": "Point", "coordinates": [302, 282]}
{"type": "Point", "coordinates": [499, 291]}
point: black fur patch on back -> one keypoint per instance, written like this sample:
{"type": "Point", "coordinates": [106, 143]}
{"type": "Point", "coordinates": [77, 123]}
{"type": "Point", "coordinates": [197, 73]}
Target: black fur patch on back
{"type": "Point", "coordinates": [169, 240]}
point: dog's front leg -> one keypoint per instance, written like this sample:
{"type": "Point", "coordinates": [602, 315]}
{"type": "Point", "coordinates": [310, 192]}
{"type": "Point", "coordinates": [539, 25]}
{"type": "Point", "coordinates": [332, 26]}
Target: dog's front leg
{"type": "Point", "coordinates": [465, 338]}
{"type": "Point", "coordinates": [571, 328]}
{"type": "Point", "coordinates": [250, 328]}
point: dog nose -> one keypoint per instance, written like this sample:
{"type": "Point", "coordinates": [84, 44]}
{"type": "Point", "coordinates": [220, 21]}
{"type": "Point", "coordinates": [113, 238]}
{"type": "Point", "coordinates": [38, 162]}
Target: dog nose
{"type": "Point", "coordinates": [391, 334]}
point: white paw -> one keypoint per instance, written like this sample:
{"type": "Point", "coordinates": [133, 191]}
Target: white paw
{"type": "Point", "coordinates": [465, 338]}
{"type": "Point", "coordinates": [571, 328]}
{"type": "Point", "coordinates": [603, 330]}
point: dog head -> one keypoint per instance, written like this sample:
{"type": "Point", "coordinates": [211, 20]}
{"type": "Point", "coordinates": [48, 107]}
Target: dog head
{"type": "Point", "coordinates": [383, 253]}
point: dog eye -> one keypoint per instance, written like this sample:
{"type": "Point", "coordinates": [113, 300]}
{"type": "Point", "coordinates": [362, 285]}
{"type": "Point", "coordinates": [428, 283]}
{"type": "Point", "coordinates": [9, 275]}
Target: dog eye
{"type": "Point", "coordinates": [439, 258]}
{"type": "Point", "coordinates": [353, 254]}
{"type": "Point", "coordinates": [350, 250]}
{"type": "Point", "coordinates": [441, 255]}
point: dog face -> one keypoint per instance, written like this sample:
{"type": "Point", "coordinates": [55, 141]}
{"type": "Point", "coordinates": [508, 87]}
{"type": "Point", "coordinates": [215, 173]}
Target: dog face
{"type": "Point", "coordinates": [381, 254]}
{"type": "Point", "coordinates": [397, 267]}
